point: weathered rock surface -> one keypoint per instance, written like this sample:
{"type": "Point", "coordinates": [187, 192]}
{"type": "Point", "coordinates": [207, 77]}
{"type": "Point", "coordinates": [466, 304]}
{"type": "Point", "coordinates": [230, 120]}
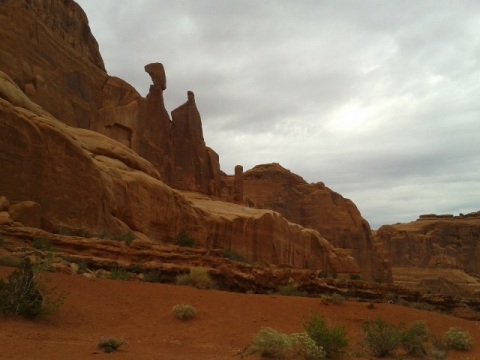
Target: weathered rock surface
{"type": "Point", "coordinates": [434, 241]}
{"type": "Point", "coordinates": [314, 206]}
{"type": "Point", "coordinates": [89, 184]}
{"type": "Point", "coordinates": [195, 166]}
{"type": "Point", "coordinates": [48, 49]}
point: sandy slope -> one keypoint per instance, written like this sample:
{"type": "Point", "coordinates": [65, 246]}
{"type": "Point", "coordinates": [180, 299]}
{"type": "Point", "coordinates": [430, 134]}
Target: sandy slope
{"type": "Point", "coordinates": [141, 314]}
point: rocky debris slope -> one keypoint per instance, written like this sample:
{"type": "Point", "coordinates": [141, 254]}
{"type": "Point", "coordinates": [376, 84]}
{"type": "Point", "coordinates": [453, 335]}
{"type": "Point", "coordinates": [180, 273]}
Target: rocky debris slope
{"type": "Point", "coordinates": [313, 206]}
{"type": "Point", "coordinates": [139, 258]}
{"type": "Point", "coordinates": [88, 184]}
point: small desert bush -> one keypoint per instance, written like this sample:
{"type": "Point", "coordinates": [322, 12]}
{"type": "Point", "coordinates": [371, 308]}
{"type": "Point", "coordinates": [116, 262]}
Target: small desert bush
{"type": "Point", "coordinates": [355, 277]}
{"type": "Point", "coordinates": [10, 261]}
{"type": "Point", "coordinates": [118, 273]}
{"type": "Point", "coordinates": [335, 299]}
{"type": "Point", "coordinates": [42, 244]}
{"type": "Point", "coordinates": [183, 239]}
{"type": "Point", "coordinates": [414, 339]}
{"type": "Point", "coordinates": [458, 339]}
{"type": "Point", "coordinates": [332, 340]}
{"type": "Point", "coordinates": [381, 338]}
{"type": "Point", "coordinates": [229, 254]}
{"type": "Point", "coordinates": [273, 344]}
{"type": "Point", "coordinates": [154, 276]}
{"type": "Point", "coordinates": [127, 237]}
{"type": "Point", "coordinates": [110, 345]}
{"type": "Point", "coordinates": [184, 312]}
{"type": "Point", "coordinates": [25, 295]}
{"type": "Point", "coordinates": [198, 277]}
{"type": "Point", "coordinates": [290, 290]}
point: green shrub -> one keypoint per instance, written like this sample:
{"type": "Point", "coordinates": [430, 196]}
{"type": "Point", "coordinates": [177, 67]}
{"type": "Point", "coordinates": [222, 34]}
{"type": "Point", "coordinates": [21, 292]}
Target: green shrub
{"type": "Point", "coordinates": [381, 338]}
{"type": "Point", "coordinates": [183, 239]}
{"type": "Point", "coordinates": [118, 273]}
{"type": "Point", "coordinates": [184, 312]}
{"type": "Point", "coordinates": [229, 254]}
{"type": "Point", "coordinates": [355, 277]}
{"type": "Point", "coordinates": [332, 340]}
{"type": "Point", "coordinates": [335, 299]}
{"type": "Point", "coordinates": [42, 244]}
{"type": "Point", "coordinates": [458, 339]}
{"type": "Point", "coordinates": [273, 344]}
{"type": "Point", "coordinates": [198, 277]}
{"type": "Point", "coordinates": [290, 290]}
{"type": "Point", "coordinates": [154, 276]}
{"type": "Point", "coordinates": [110, 345]}
{"type": "Point", "coordinates": [23, 294]}
{"type": "Point", "coordinates": [127, 238]}
{"type": "Point", "coordinates": [10, 261]}
{"type": "Point", "coordinates": [414, 338]}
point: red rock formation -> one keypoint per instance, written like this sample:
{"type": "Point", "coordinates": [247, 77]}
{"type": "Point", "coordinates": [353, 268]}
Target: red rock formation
{"type": "Point", "coordinates": [88, 183]}
{"type": "Point", "coordinates": [194, 170]}
{"type": "Point", "coordinates": [47, 48]}
{"type": "Point", "coordinates": [315, 206]}
{"type": "Point", "coordinates": [434, 241]}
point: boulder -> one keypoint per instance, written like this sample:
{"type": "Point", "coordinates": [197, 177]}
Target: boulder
{"type": "Point", "coordinates": [28, 213]}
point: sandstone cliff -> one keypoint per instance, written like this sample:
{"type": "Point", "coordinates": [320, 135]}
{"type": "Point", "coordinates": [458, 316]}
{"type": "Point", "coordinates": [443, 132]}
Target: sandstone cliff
{"type": "Point", "coordinates": [47, 49]}
{"type": "Point", "coordinates": [314, 206]}
{"type": "Point", "coordinates": [443, 241]}
{"type": "Point", "coordinates": [83, 182]}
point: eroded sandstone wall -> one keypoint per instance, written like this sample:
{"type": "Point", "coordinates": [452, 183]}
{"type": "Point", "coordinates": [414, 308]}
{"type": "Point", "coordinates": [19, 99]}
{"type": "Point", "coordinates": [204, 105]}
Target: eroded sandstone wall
{"type": "Point", "coordinates": [434, 241]}
{"type": "Point", "coordinates": [85, 182]}
{"type": "Point", "coordinates": [315, 206]}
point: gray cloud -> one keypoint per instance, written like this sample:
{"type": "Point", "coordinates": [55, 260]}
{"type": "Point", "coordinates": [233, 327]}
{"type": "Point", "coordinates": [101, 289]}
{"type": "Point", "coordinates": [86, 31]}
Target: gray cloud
{"type": "Point", "coordinates": [376, 99]}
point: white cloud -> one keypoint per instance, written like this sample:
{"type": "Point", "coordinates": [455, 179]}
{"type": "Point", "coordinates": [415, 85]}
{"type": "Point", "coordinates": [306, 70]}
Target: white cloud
{"type": "Point", "coordinates": [377, 99]}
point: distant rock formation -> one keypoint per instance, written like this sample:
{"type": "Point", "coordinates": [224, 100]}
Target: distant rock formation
{"type": "Point", "coordinates": [434, 241]}
{"type": "Point", "coordinates": [270, 186]}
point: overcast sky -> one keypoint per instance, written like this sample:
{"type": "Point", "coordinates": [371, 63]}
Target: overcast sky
{"type": "Point", "coordinates": [380, 100]}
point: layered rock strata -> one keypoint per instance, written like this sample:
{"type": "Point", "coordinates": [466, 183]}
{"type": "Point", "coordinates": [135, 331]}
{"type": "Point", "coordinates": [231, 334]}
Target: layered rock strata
{"type": "Point", "coordinates": [314, 206]}
{"type": "Point", "coordinates": [86, 183]}
{"type": "Point", "coordinates": [434, 241]}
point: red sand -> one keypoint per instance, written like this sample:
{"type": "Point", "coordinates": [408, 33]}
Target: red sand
{"type": "Point", "coordinates": [225, 324]}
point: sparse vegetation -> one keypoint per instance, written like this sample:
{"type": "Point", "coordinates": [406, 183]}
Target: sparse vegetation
{"type": "Point", "coordinates": [355, 277]}
{"type": "Point", "coordinates": [183, 239]}
{"type": "Point", "coordinates": [381, 338]}
{"type": "Point", "coordinates": [154, 276]}
{"type": "Point", "coordinates": [335, 299]}
{"type": "Point", "coordinates": [10, 261]}
{"type": "Point", "coordinates": [118, 273]}
{"type": "Point", "coordinates": [42, 244]}
{"type": "Point", "coordinates": [184, 312]}
{"type": "Point", "coordinates": [414, 338]}
{"type": "Point", "coordinates": [290, 290]}
{"type": "Point", "coordinates": [25, 295]}
{"type": "Point", "coordinates": [458, 339]}
{"type": "Point", "coordinates": [273, 344]}
{"type": "Point", "coordinates": [333, 340]}
{"type": "Point", "coordinates": [127, 238]}
{"type": "Point", "coordinates": [110, 345]}
{"type": "Point", "coordinates": [229, 254]}
{"type": "Point", "coordinates": [198, 277]}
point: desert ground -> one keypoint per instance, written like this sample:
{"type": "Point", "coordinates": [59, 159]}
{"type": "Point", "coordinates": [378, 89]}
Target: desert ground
{"type": "Point", "coordinates": [226, 323]}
